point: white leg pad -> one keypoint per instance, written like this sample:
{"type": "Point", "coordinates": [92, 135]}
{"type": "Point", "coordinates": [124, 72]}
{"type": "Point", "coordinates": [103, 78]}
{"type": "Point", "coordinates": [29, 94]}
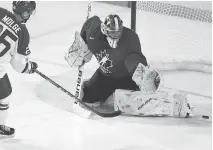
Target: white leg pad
{"type": "Point", "coordinates": [139, 103]}
{"type": "Point", "coordinates": [151, 104]}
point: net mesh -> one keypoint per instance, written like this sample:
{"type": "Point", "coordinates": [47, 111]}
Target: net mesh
{"type": "Point", "coordinates": [175, 10]}
{"type": "Point", "coordinates": [176, 35]}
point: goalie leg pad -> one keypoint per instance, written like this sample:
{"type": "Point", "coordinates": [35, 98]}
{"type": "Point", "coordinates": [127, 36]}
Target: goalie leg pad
{"type": "Point", "coordinates": [142, 104]}
{"type": "Point", "coordinates": [5, 87]}
{"type": "Point", "coordinates": [153, 104]}
{"type": "Point", "coordinates": [181, 105]}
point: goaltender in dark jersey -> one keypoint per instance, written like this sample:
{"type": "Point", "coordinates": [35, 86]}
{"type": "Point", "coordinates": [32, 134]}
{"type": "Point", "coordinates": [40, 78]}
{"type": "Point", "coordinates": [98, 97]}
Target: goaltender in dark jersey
{"type": "Point", "coordinates": [115, 62]}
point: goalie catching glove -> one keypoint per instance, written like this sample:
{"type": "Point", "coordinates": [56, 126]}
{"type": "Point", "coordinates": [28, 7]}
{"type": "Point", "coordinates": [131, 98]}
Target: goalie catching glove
{"type": "Point", "coordinates": [148, 79]}
{"type": "Point", "coordinates": [78, 53]}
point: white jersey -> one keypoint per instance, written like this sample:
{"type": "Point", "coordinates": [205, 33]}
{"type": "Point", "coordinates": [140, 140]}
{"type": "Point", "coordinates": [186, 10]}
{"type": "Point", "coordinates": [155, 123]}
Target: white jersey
{"type": "Point", "coordinates": [14, 40]}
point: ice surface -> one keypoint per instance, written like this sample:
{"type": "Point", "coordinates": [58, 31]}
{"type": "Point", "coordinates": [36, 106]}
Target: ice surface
{"type": "Point", "coordinates": [42, 114]}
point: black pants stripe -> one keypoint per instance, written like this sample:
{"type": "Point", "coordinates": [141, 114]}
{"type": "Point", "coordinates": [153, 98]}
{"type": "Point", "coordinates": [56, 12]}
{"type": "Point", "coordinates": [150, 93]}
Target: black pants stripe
{"type": "Point", "coordinates": [100, 87]}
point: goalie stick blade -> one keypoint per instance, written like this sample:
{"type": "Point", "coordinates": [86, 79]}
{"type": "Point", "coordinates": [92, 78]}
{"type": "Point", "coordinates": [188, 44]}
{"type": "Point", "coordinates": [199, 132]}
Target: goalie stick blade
{"type": "Point", "coordinates": [102, 114]}
{"type": "Point", "coordinates": [109, 114]}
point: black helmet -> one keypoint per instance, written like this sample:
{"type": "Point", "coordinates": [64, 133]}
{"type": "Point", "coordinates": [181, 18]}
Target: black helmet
{"type": "Point", "coordinates": [21, 7]}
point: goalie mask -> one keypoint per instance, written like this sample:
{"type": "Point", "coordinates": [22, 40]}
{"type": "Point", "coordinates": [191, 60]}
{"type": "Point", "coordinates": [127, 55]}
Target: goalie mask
{"type": "Point", "coordinates": [24, 8]}
{"type": "Point", "coordinates": [112, 28]}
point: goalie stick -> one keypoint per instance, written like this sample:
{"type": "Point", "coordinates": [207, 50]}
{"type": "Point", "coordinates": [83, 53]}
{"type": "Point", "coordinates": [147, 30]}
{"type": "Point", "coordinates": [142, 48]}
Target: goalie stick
{"type": "Point", "coordinates": [76, 107]}
{"type": "Point", "coordinates": [102, 114]}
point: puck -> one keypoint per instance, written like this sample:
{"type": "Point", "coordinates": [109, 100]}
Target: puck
{"type": "Point", "coordinates": [205, 117]}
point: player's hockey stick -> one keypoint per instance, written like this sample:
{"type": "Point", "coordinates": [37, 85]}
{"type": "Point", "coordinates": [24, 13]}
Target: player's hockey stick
{"type": "Point", "coordinates": [102, 114]}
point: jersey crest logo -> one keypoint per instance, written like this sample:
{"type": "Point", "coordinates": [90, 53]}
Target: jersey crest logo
{"type": "Point", "coordinates": [104, 61]}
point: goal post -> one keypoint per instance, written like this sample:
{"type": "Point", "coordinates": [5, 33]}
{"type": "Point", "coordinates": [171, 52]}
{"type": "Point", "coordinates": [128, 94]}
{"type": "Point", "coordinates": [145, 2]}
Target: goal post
{"type": "Point", "coordinates": [133, 15]}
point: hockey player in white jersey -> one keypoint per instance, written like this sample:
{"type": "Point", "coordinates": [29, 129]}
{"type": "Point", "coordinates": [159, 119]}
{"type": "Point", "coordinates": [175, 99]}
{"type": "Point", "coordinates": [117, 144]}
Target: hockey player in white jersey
{"type": "Point", "coordinates": [14, 40]}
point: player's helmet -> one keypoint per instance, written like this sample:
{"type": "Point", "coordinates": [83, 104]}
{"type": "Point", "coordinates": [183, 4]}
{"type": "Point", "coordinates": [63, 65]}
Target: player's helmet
{"type": "Point", "coordinates": [112, 27]}
{"type": "Point", "coordinates": [24, 8]}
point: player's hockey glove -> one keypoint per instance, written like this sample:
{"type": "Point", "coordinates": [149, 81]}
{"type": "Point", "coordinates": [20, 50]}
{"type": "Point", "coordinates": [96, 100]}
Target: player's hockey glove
{"type": "Point", "coordinates": [30, 67]}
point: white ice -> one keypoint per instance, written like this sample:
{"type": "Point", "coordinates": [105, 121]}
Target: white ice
{"type": "Point", "coordinates": [42, 114]}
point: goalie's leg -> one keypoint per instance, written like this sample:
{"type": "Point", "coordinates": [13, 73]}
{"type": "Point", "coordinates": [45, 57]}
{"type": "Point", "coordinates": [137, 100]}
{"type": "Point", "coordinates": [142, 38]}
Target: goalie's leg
{"type": "Point", "coordinates": [5, 92]}
{"type": "Point", "coordinates": [97, 89]}
{"type": "Point", "coordinates": [93, 92]}
{"type": "Point", "coordinates": [155, 104]}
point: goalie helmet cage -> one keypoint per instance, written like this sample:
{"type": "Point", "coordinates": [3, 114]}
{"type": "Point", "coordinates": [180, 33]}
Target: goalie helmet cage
{"type": "Point", "coordinates": [198, 12]}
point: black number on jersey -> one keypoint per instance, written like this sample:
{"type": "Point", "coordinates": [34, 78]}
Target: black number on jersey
{"type": "Point", "coordinates": [5, 42]}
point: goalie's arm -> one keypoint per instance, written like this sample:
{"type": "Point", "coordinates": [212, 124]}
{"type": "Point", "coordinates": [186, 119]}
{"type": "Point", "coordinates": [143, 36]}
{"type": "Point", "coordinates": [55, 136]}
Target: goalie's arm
{"type": "Point", "coordinates": [89, 26]}
{"type": "Point", "coordinates": [135, 55]}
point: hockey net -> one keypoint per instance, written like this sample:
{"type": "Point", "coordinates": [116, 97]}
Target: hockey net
{"type": "Point", "coordinates": [176, 35]}
{"type": "Point", "coordinates": [175, 10]}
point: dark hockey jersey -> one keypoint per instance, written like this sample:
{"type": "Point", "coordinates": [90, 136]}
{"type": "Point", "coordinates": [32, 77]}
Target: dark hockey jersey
{"type": "Point", "coordinates": [115, 62]}
{"type": "Point", "coordinates": [14, 41]}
